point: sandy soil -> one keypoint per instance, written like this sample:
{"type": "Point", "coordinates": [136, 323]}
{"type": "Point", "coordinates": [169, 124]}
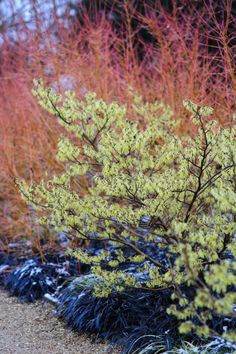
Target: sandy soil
{"type": "Point", "coordinates": [33, 329]}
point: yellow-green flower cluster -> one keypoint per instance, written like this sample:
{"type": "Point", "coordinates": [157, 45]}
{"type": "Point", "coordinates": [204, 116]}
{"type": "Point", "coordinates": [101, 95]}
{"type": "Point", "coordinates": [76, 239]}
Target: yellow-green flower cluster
{"type": "Point", "coordinates": [186, 186]}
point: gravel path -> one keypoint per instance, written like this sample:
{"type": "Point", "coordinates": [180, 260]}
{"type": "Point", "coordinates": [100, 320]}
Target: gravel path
{"type": "Point", "coordinates": [32, 329]}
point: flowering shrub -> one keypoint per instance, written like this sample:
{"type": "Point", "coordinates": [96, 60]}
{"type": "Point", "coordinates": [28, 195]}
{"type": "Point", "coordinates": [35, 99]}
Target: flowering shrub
{"type": "Point", "coordinates": [182, 187]}
{"type": "Point", "coordinates": [165, 52]}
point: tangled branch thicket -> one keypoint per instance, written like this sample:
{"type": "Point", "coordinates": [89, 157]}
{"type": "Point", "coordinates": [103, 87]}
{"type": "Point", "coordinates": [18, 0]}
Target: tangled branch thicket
{"type": "Point", "coordinates": [181, 188]}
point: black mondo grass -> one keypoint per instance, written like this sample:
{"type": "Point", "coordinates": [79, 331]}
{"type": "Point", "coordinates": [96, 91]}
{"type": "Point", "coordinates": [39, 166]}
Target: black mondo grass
{"type": "Point", "coordinates": [30, 282]}
{"type": "Point", "coordinates": [7, 263]}
{"type": "Point", "coordinates": [31, 279]}
{"type": "Point", "coordinates": [121, 318]}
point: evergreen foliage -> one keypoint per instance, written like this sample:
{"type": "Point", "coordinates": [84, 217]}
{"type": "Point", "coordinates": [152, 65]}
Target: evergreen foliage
{"type": "Point", "coordinates": [30, 282]}
{"type": "Point", "coordinates": [33, 279]}
{"type": "Point", "coordinates": [121, 318]}
{"type": "Point", "coordinates": [184, 187]}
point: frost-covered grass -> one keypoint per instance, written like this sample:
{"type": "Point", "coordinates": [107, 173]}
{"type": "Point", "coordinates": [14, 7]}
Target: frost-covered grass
{"type": "Point", "coordinates": [32, 280]}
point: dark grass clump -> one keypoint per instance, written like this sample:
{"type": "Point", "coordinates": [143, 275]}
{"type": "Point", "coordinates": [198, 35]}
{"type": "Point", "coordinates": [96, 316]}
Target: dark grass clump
{"type": "Point", "coordinates": [7, 263]}
{"type": "Point", "coordinates": [6, 259]}
{"type": "Point", "coordinates": [121, 318]}
{"type": "Point", "coordinates": [34, 279]}
{"type": "Point", "coordinates": [136, 319]}
{"type": "Point", "coordinates": [31, 279]}
{"type": "Point", "coordinates": [30, 282]}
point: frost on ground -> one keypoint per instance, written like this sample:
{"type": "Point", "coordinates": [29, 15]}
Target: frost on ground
{"type": "Point", "coordinates": [32, 329]}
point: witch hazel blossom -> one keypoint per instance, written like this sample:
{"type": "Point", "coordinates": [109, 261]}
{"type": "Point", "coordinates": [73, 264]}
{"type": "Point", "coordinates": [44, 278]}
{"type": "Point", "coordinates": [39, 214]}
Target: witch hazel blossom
{"type": "Point", "coordinates": [181, 189]}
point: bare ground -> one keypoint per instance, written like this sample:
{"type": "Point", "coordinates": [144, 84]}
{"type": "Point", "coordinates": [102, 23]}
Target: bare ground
{"type": "Point", "coordinates": [33, 329]}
